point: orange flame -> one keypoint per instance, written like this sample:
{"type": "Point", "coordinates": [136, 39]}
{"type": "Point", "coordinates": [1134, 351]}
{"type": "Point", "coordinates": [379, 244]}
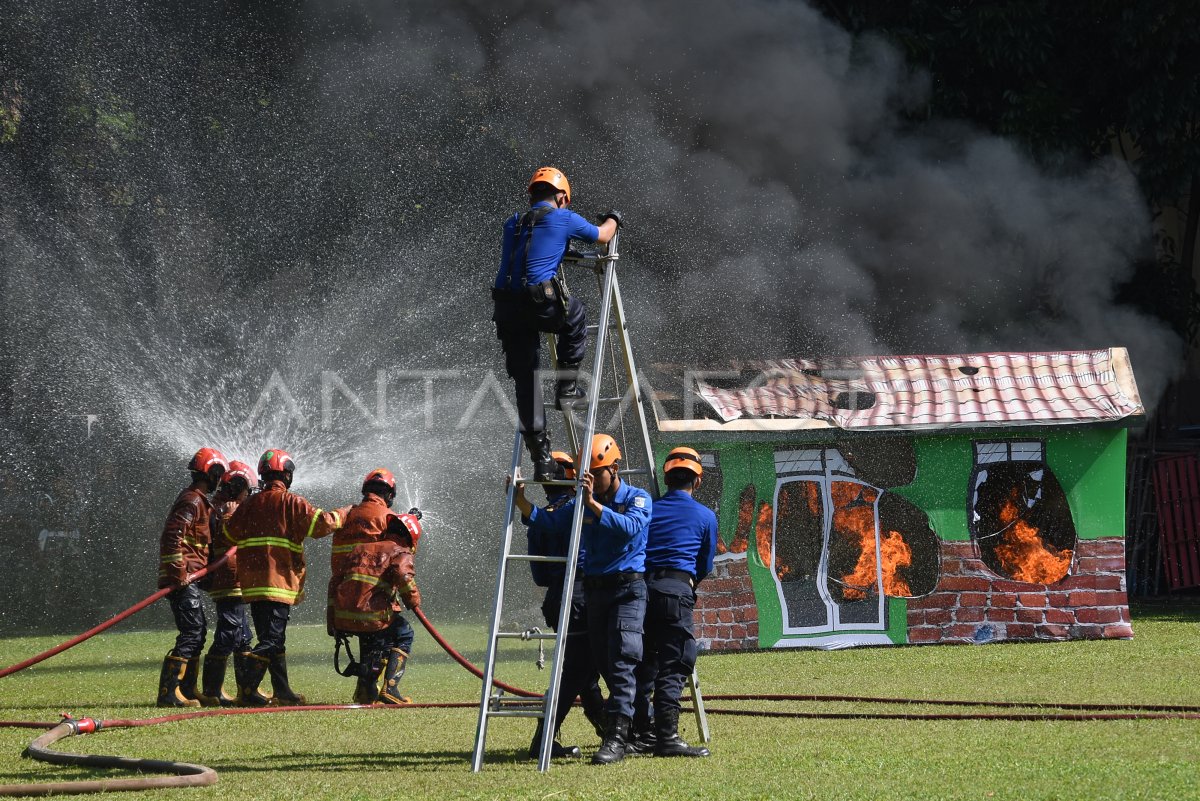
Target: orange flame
{"type": "Point", "coordinates": [1022, 552]}
{"type": "Point", "coordinates": [854, 518]}
{"type": "Point", "coordinates": [762, 533]}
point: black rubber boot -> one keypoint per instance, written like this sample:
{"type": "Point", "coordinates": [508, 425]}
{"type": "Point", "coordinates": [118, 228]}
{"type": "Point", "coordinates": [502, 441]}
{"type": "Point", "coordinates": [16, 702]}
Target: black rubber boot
{"type": "Point", "coordinates": [250, 668]}
{"type": "Point", "coordinates": [642, 739]}
{"type": "Point", "coordinates": [396, 665]}
{"type": "Point", "coordinates": [557, 749]}
{"type": "Point", "coordinates": [191, 674]}
{"type": "Point", "coordinates": [367, 689]}
{"type": "Point", "coordinates": [670, 744]}
{"type": "Point", "coordinates": [173, 668]}
{"type": "Point", "coordinates": [613, 748]}
{"type": "Point", "coordinates": [282, 693]}
{"type": "Point", "coordinates": [593, 709]}
{"type": "Point", "coordinates": [539, 448]}
{"type": "Point", "coordinates": [212, 682]}
{"type": "Point", "coordinates": [567, 391]}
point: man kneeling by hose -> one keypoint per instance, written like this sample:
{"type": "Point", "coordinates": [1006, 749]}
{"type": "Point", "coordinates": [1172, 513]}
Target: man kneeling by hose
{"type": "Point", "coordinates": [363, 600]}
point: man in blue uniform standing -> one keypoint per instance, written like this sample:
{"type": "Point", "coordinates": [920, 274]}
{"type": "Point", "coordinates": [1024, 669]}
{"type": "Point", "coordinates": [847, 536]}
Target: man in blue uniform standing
{"type": "Point", "coordinates": [530, 298]}
{"type": "Point", "coordinates": [579, 674]}
{"type": "Point", "coordinates": [679, 553]}
{"type": "Point", "coordinates": [615, 523]}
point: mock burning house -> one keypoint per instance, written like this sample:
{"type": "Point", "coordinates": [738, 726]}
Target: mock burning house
{"type": "Point", "coordinates": [911, 499]}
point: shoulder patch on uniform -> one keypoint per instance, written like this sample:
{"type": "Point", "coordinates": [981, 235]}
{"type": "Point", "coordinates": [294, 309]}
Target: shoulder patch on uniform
{"type": "Point", "coordinates": [639, 501]}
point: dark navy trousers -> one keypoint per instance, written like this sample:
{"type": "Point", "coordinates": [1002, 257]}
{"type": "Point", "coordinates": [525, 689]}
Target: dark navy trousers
{"type": "Point", "coordinates": [615, 615]}
{"type": "Point", "coordinates": [670, 645]}
{"type": "Point", "coordinates": [187, 607]}
{"type": "Point", "coordinates": [233, 628]}
{"type": "Point", "coordinates": [580, 676]}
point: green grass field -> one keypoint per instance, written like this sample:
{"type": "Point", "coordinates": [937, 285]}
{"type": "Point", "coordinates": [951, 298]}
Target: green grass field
{"type": "Point", "coordinates": [414, 753]}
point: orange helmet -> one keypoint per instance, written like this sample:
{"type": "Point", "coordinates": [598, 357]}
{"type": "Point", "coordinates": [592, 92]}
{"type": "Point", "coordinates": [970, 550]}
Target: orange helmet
{"type": "Point", "coordinates": [240, 470]}
{"type": "Point", "coordinates": [275, 461]}
{"type": "Point", "coordinates": [380, 475]}
{"type": "Point", "coordinates": [686, 458]}
{"type": "Point", "coordinates": [206, 460]}
{"type": "Point", "coordinates": [554, 177]}
{"type": "Point", "coordinates": [604, 451]}
{"type": "Point", "coordinates": [406, 523]}
{"type": "Point", "coordinates": [568, 464]}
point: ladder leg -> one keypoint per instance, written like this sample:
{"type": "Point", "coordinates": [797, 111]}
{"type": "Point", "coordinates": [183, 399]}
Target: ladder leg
{"type": "Point", "coordinates": [698, 707]}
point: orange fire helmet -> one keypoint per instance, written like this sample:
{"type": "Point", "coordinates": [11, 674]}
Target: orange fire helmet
{"type": "Point", "coordinates": [568, 464]}
{"type": "Point", "coordinates": [604, 451]}
{"type": "Point", "coordinates": [275, 461]}
{"type": "Point", "coordinates": [686, 458]}
{"type": "Point", "coordinates": [206, 460]}
{"type": "Point", "coordinates": [554, 177]}
{"type": "Point", "coordinates": [407, 523]}
{"type": "Point", "coordinates": [240, 470]}
{"type": "Point", "coordinates": [380, 475]}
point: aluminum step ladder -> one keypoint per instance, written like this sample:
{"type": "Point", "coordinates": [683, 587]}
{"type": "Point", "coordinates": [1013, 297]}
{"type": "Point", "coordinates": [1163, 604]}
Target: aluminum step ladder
{"type": "Point", "coordinates": [612, 335]}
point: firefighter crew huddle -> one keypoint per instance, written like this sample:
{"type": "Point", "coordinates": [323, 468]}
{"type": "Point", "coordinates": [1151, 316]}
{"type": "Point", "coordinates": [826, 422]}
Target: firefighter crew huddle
{"type": "Point", "coordinates": [372, 561]}
{"type": "Point", "coordinates": [530, 298]}
{"type": "Point", "coordinates": [632, 553]}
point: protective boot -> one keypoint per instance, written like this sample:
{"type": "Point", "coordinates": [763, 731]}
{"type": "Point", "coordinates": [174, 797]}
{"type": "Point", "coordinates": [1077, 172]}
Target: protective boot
{"type": "Point", "coordinates": [249, 668]}
{"type": "Point", "coordinates": [557, 749]}
{"type": "Point", "coordinates": [592, 700]}
{"type": "Point", "coordinates": [613, 748]}
{"type": "Point", "coordinates": [169, 679]}
{"type": "Point", "coordinates": [212, 682]}
{"type": "Point", "coordinates": [396, 664]}
{"type": "Point", "coordinates": [187, 685]}
{"type": "Point", "coordinates": [669, 742]}
{"type": "Point", "coordinates": [567, 391]}
{"type": "Point", "coordinates": [538, 444]}
{"type": "Point", "coordinates": [642, 737]}
{"type": "Point", "coordinates": [281, 691]}
{"type": "Point", "coordinates": [367, 689]}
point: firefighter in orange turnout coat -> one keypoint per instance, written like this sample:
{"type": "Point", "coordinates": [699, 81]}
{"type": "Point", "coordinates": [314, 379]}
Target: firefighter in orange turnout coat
{"type": "Point", "coordinates": [369, 581]}
{"type": "Point", "coordinates": [269, 530]}
{"type": "Point", "coordinates": [183, 550]}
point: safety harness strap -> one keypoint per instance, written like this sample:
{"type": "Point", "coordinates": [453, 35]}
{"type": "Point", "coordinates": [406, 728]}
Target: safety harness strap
{"type": "Point", "coordinates": [524, 229]}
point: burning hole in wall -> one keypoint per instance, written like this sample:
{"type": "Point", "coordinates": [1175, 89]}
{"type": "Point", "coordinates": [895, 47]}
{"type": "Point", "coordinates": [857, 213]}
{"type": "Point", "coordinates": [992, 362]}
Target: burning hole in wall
{"type": "Point", "coordinates": [1019, 513]}
{"type": "Point", "coordinates": [745, 521]}
{"type": "Point", "coordinates": [879, 538]}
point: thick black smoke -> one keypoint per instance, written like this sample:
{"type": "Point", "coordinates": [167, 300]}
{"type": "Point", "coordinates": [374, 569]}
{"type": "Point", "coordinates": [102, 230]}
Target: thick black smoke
{"type": "Point", "coordinates": [208, 207]}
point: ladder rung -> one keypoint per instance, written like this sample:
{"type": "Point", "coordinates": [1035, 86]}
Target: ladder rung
{"type": "Point", "coordinates": [528, 557]}
{"type": "Point", "coordinates": [513, 713]}
{"type": "Point", "coordinates": [582, 402]}
{"type": "Point", "coordinates": [591, 329]}
{"type": "Point", "coordinates": [633, 471]}
{"type": "Point", "coordinates": [550, 482]}
{"type": "Point", "coordinates": [521, 635]}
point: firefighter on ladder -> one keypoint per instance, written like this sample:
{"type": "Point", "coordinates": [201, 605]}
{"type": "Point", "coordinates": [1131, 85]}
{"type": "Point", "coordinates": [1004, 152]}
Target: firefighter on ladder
{"type": "Point", "coordinates": [375, 574]}
{"type": "Point", "coordinates": [183, 549]}
{"type": "Point", "coordinates": [615, 523]}
{"type": "Point", "coordinates": [232, 634]}
{"type": "Point", "coordinates": [365, 523]}
{"type": "Point", "coordinates": [680, 546]}
{"type": "Point", "coordinates": [580, 676]}
{"type": "Point", "coordinates": [530, 298]}
{"type": "Point", "coordinates": [270, 529]}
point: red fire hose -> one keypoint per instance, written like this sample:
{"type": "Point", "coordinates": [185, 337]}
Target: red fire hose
{"type": "Point", "coordinates": [115, 619]}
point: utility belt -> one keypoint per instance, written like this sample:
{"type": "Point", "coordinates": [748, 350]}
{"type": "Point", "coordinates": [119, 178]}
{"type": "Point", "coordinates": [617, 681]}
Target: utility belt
{"type": "Point", "coordinates": [611, 580]}
{"type": "Point", "coordinates": [552, 290]}
{"type": "Point", "coordinates": [678, 575]}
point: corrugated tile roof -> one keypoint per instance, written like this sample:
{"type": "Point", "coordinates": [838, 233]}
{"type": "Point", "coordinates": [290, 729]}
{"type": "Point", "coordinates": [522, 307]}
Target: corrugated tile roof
{"type": "Point", "coordinates": [927, 392]}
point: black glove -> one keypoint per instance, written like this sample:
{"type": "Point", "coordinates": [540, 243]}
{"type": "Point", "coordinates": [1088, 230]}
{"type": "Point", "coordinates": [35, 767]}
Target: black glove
{"type": "Point", "coordinates": [415, 512]}
{"type": "Point", "coordinates": [613, 214]}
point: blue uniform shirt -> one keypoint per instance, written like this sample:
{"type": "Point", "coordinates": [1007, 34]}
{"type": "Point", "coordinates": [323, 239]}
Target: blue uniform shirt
{"type": "Point", "coordinates": [551, 543]}
{"type": "Point", "coordinates": [683, 535]}
{"type": "Point", "coordinates": [616, 543]}
{"type": "Point", "coordinates": [549, 242]}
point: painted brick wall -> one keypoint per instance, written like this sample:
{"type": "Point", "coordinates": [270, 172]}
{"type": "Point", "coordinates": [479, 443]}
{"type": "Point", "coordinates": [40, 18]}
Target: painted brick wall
{"type": "Point", "coordinates": [971, 604]}
{"type": "Point", "coordinates": [726, 616]}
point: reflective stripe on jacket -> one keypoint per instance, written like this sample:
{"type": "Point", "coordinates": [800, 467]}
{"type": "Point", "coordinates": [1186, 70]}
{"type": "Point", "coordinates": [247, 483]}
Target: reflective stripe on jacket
{"type": "Point", "coordinates": [186, 534]}
{"type": "Point", "coordinates": [223, 582]}
{"type": "Point", "coordinates": [374, 574]}
{"type": "Point", "coordinates": [270, 529]}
